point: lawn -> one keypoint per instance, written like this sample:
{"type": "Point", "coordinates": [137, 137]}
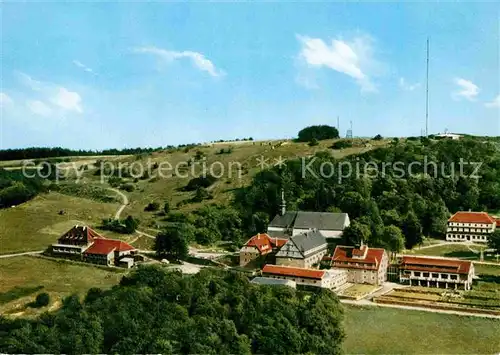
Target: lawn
{"type": "Point", "coordinates": [359, 290]}
{"type": "Point", "coordinates": [23, 277]}
{"type": "Point", "coordinates": [37, 223]}
{"type": "Point", "coordinates": [380, 330]}
{"type": "Point", "coordinates": [483, 269]}
{"type": "Point", "coordinates": [461, 251]}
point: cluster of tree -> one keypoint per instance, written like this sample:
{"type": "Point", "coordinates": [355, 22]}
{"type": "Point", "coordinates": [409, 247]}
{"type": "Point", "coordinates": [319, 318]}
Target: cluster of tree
{"type": "Point", "coordinates": [320, 132]}
{"type": "Point", "coordinates": [207, 225]}
{"type": "Point", "coordinates": [386, 208]}
{"type": "Point", "coordinates": [125, 226]}
{"type": "Point", "coordinates": [45, 152]}
{"type": "Point", "coordinates": [154, 311]}
{"type": "Point", "coordinates": [15, 188]}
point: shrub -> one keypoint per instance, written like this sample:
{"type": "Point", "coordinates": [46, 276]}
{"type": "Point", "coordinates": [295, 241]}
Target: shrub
{"type": "Point", "coordinates": [342, 144]}
{"type": "Point", "coordinates": [378, 137]}
{"type": "Point", "coordinates": [152, 206]}
{"type": "Point", "coordinates": [42, 300]}
{"type": "Point", "coordinates": [202, 181]}
{"type": "Point", "coordinates": [127, 187]}
{"type": "Point", "coordinates": [313, 142]}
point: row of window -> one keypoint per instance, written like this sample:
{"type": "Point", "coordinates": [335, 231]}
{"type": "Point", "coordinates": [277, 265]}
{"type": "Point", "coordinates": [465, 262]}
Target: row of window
{"type": "Point", "coordinates": [468, 237]}
{"type": "Point", "coordinates": [471, 230]}
{"type": "Point", "coordinates": [433, 275]}
{"type": "Point", "coordinates": [470, 225]}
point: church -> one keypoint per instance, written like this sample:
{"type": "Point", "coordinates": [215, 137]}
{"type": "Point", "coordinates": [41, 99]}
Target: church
{"type": "Point", "coordinates": [290, 223]}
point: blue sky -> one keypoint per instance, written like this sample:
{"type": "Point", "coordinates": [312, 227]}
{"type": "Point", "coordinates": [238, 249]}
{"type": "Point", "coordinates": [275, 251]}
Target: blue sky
{"type": "Point", "coordinates": [93, 76]}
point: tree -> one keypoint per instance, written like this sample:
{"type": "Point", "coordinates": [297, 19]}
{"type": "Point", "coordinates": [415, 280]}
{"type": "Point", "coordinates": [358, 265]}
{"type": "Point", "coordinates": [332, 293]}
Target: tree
{"type": "Point", "coordinates": [412, 230]}
{"type": "Point", "coordinates": [172, 242]}
{"type": "Point", "coordinates": [131, 224]}
{"type": "Point", "coordinates": [378, 137]}
{"type": "Point", "coordinates": [42, 300]}
{"type": "Point", "coordinates": [393, 239]}
{"type": "Point", "coordinates": [494, 240]}
{"type": "Point", "coordinates": [320, 132]}
{"type": "Point", "coordinates": [356, 233]}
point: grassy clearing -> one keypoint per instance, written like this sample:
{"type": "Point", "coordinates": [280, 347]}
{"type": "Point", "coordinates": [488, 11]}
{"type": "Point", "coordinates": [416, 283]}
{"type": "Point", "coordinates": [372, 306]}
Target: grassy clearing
{"type": "Point", "coordinates": [144, 243]}
{"type": "Point", "coordinates": [374, 330]}
{"type": "Point", "coordinates": [37, 223]}
{"type": "Point", "coordinates": [59, 278]}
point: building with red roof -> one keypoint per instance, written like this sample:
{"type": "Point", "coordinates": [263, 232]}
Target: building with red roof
{"type": "Point", "coordinates": [364, 264]}
{"type": "Point", "coordinates": [436, 272]}
{"type": "Point", "coordinates": [83, 243]}
{"type": "Point", "coordinates": [470, 226]}
{"type": "Point", "coordinates": [107, 251]}
{"type": "Point", "coordinates": [331, 279]}
{"type": "Point", "coordinates": [258, 246]}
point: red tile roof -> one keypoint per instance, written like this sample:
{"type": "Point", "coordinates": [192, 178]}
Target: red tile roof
{"type": "Point", "coordinates": [371, 261]}
{"type": "Point", "coordinates": [498, 222]}
{"type": "Point", "coordinates": [104, 246]}
{"type": "Point", "coordinates": [293, 271]}
{"type": "Point", "coordinates": [79, 235]}
{"type": "Point", "coordinates": [472, 217]}
{"type": "Point", "coordinates": [264, 243]}
{"type": "Point", "coordinates": [435, 265]}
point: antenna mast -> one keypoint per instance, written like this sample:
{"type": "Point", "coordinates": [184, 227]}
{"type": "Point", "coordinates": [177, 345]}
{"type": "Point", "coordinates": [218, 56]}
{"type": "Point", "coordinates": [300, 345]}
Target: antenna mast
{"type": "Point", "coordinates": [427, 93]}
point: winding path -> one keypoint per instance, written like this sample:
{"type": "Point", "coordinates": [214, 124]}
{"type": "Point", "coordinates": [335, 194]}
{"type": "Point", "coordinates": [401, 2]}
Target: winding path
{"type": "Point", "coordinates": [124, 203]}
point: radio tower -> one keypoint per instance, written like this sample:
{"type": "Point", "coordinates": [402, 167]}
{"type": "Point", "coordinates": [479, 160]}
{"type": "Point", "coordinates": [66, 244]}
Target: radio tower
{"type": "Point", "coordinates": [427, 93]}
{"type": "Point", "coordinates": [349, 132]}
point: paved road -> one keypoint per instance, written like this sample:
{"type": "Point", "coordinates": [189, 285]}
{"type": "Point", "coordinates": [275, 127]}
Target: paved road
{"type": "Point", "coordinates": [21, 254]}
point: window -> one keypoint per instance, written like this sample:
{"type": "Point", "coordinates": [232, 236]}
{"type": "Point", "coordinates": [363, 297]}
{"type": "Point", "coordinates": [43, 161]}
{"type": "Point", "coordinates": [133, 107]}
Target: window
{"type": "Point", "coordinates": [453, 277]}
{"type": "Point", "coordinates": [435, 275]}
{"type": "Point", "coordinates": [444, 276]}
{"type": "Point", "coordinates": [426, 274]}
{"type": "Point", "coordinates": [417, 273]}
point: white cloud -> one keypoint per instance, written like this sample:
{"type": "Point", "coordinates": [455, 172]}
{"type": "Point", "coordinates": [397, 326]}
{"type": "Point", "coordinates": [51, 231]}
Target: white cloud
{"type": "Point", "coordinates": [28, 81]}
{"type": "Point", "coordinates": [39, 108]}
{"type": "Point", "coordinates": [5, 100]}
{"type": "Point", "coordinates": [403, 84]}
{"type": "Point", "coordinates": [83, 66]}
{"type": "Point", "coordinates": [68, 100]}
{"type": "Point", "coordinates": [494, 103]}
{"type": "Point", "coordinates": [196, 58]}
{"type": "Point", "coordinates": [468, 90]}
{"type": "Point", "coordinates": [349, 58]}
{"type": "Point", "coordinates": [51, 99]}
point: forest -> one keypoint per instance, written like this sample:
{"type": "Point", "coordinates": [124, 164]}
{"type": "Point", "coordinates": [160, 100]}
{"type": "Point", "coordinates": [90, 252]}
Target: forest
{"type": "Point", "coordinates": [156, 311]}
{"type": "Point", "coordinates": [386, 210]}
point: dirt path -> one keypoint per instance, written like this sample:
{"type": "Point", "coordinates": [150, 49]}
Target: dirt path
{"type": "Point", "coordinates": [124, 203]}
{"type": "Point", "coordinates": [21, 254]}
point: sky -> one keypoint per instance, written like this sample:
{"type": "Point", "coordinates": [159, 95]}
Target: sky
{"type": "Point", "coordinates": [88, 75]}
